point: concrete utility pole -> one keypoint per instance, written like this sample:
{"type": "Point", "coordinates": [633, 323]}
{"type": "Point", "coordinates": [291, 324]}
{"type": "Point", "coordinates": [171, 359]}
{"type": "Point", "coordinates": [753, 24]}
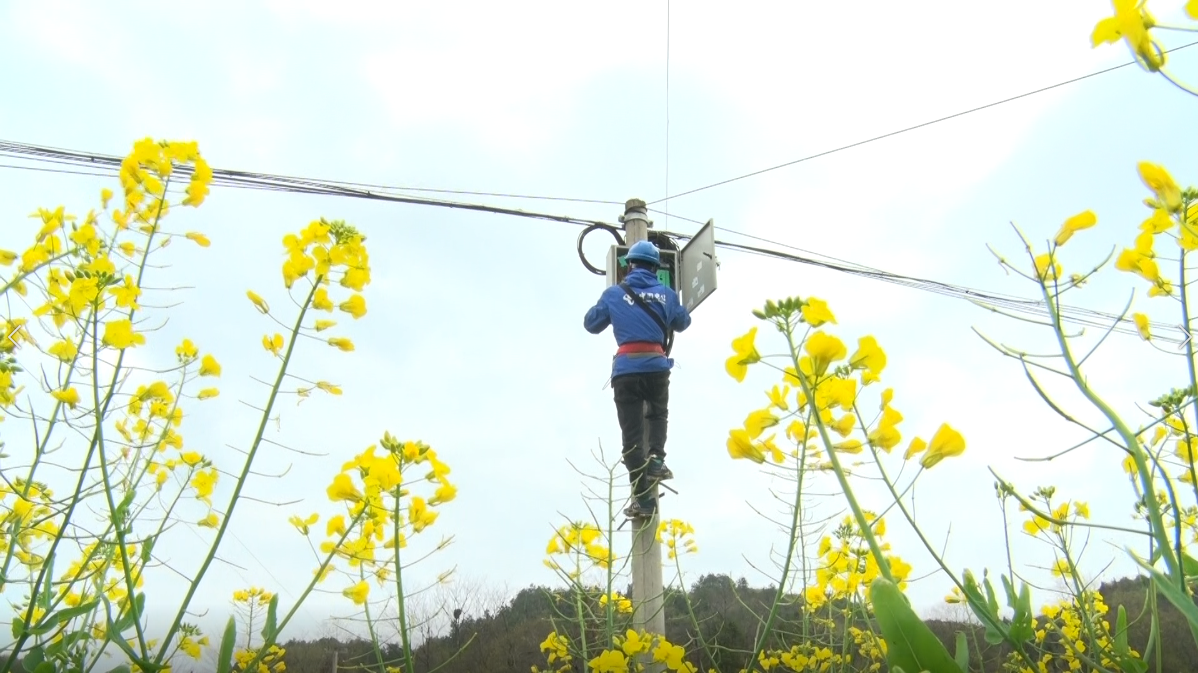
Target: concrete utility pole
{"type": "Point", "coordinates": [647, 592]}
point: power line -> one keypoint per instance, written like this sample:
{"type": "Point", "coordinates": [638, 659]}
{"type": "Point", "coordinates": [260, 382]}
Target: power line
{"type": "Point", "coordinates": [909, 128]}
{"type": "Point", "coordinates": [667, 213]}
{"type": "Point", "coordinates": [266, 182]}
{"type": "Point", "coordinates": [261, 181]}
{"type": "Point", "coordinates": [58, 155]}
{"type": "Point", "coordinates": [777, 243]}
{"type": "Point", "coordinates": [1034, 307]}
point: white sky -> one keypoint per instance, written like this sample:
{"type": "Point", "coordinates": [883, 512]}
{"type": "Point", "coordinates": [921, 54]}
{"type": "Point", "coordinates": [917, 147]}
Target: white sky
{"type": "Point", "coordinates": [474, 341]}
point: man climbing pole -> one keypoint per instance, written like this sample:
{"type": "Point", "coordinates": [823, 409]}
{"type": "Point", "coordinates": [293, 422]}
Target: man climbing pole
{"type": "Point", "coordinates": [643, 314]}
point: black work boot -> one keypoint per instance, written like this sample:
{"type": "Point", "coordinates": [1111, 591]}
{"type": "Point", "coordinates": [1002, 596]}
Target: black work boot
{"type": "Point", "coordinates": [657, 470]}
{"type": "Point", "coordinates": [643, 507]}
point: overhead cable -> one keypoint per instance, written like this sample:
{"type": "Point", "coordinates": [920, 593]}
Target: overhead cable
{"type": "Point", "coordinates": [905, 130]}
{"type": "Point", "coordinates": [287, 184]}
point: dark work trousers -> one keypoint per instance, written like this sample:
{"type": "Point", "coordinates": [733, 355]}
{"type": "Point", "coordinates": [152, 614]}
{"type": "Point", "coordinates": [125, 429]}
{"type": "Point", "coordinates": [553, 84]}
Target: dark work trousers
{"type": "Point", "coordinates": [642, 401]}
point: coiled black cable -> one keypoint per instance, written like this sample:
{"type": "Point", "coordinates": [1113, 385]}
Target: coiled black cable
{"type": "Point", "coordinates": [582, 256]}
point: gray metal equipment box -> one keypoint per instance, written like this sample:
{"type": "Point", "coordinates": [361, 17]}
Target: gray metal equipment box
{"type": "Point", "coordinates": [617, 267]}
{"type": "Point", "coordinates": [689, 272]}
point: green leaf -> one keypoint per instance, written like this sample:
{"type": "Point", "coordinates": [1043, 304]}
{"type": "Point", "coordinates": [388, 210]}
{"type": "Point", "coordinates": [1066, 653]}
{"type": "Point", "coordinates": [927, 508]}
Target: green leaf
{"type": "Point", "coordinates": [272, 621]}
{"type": "Point", "coordinates": [132, 614]}
{"type": "Point", "coordinates": [1021, 623]}
{"type": "Point", "coordinates": [1009, 588]}
{"type": "Point", "coordinates": [224, 661]}
{"type": "Point", "coordinates": [911, 645]}
{"type": "Point", "coordinates": [1189, 565]}
{"type": "Point", "coordinates": [986, 609]}
{"type": "Point", "coordinates": [1180, 599]}
{"type": "Point", "coordinates": [32, 659]}
{"type": "Point", "coordinates": [61, 617]}
{"type": "Point", "coordinates": [122, 510]}
{"type": "Point", "coordinates": [18, 627]}
{"type": "Point", "coordinates": [67, 614]}
{"type": "Point", "coordinates": [123, 668]}
{"type": "Point", "coordinates": [962, 656]}
{"type": "Point", "coordinates": [45, 594]}
{"type": "Point", "coordinates": [65, 643]}
{"type": "Point", "coordinates": [46, 667]}
{"type": "Point", "coordinates": [1121, 631]}
{"type": "Point", "coordinates": [120, 641]}
{"type": "Point", "coordinates": [147, 548]}
{"type": "Point", "coordinates": [991, 598]}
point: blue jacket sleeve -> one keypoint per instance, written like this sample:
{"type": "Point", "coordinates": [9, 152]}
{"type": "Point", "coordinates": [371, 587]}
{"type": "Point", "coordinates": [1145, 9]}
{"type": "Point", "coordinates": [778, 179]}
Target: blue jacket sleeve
{"type": "Point", "coordinates": [680, 318]}
{"type": "Point", "coordinates": [597, 318]}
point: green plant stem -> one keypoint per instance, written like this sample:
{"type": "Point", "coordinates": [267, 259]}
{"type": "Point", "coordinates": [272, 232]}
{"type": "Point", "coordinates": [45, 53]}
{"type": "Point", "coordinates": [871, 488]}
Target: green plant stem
{"type": "Point", "coordinates": [1132, 443]}
{"type": "Point", "coordinates": [22, 275]}
{"type": "Point", "coordinates": [119, 526]}
{"type": "Point", "coordinates": [690, 610]}
{"type": "Point", "coordinates": [982, 609]}
{"type": "Point", "coordinates": [1189, 348]}
{"type": "Point", "coordinates": [397, 519]}
{"type": "Point", "coordinates": [838, 469]}
{"type": "Point", "coordinates": [91, 452]}
{"type": "Point", "coordinates": [610, 613]}
{"type": "Point", "coordinates": [1154, 639]}
{"type": "Point", "coordinates": [41, 449]}
{"type": "Point", "coordinates": [311, 586]}
{"type": "Point", "coordinates": [578, 609]}
{"type": "Point", "coordinates": [374, 639]}
{"type": "Point", "coordinates": [108, 528]}
{"type": "Point", "coordinates": [1079, 594]}
{"type": "Point", "coordinates": [245, 471]}
{"type": "Point", "coordinates": [796, 509]}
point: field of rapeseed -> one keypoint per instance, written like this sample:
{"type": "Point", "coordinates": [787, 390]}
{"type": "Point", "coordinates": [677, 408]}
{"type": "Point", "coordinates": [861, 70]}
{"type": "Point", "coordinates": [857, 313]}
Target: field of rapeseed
{"type": "Point", "coordinates": [81, 555]}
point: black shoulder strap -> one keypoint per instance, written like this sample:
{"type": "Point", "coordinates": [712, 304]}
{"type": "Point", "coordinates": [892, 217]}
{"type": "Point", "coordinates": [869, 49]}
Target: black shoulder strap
{"type": "Point", "coordinates": [667, 337]}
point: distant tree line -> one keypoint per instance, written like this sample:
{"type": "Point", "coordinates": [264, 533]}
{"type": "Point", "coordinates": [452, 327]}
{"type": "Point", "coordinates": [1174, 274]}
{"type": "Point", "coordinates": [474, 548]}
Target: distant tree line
{"type": "Point", "coordinates": [472, 633]}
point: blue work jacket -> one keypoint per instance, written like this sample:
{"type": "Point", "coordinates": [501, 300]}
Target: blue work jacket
{"type": "Point", "coordinates": [630, 323]}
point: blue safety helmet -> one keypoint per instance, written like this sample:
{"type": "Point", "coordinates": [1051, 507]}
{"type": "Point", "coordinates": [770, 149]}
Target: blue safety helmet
{"type": "Point", "coordinates": [644, 251]}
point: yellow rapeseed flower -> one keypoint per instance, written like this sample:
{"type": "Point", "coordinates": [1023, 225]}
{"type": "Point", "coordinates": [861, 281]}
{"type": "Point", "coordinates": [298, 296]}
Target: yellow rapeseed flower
{"type": "Point", "coordinates": [358, 592]}
{"type": "Point", "coordinates": [273, 344]}
{"type": "Point", "coordinates": [68, 396]}
{"type": "Point", "coordinates": [200, 239]}
{"type": "Point", "coordinates": [302, 525]}
{"type": "Point", "coordinates": [1083, 220]}
{"type": "Point", "coordinates": [343, 488]}
{"type": "Point", "coordinates": [355, 306]}
{"type": "Point", "coordinates": [258, 301]}
{"type": "Point", "coordinates": [1156, 178]}
{"type": "Point", "coordinates": [1047, 268]}
{"type": "Point", "coordinates": [758, 421]}
{"type": "Point", "coordinates": [740, 445]}
{"type": "Point", "coordinates": [1130, 23]}
{"type": "Point", "coordinates": [321, 301]}
{"type": "Point", "coordinates": [609, 661]}
{"type": "Point", "coordinates": [1142, 326]}
{"type": "Point", "coordinates": [342, 343]}
{"type": "Point", "coordinates": [120, 335]}
{"type": "Point", "coordinates": [815, 312]}
{"type": "Point", "coordinates": [946, 443]}
{"type": "Point", "coordinates": [209, 366]}
{"type": "Point", "coordinates": [63, 350]}
{"type": "Point", "coordinates": [744, 354]}
{"type": "Point", "coordinates": [824, 349]}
